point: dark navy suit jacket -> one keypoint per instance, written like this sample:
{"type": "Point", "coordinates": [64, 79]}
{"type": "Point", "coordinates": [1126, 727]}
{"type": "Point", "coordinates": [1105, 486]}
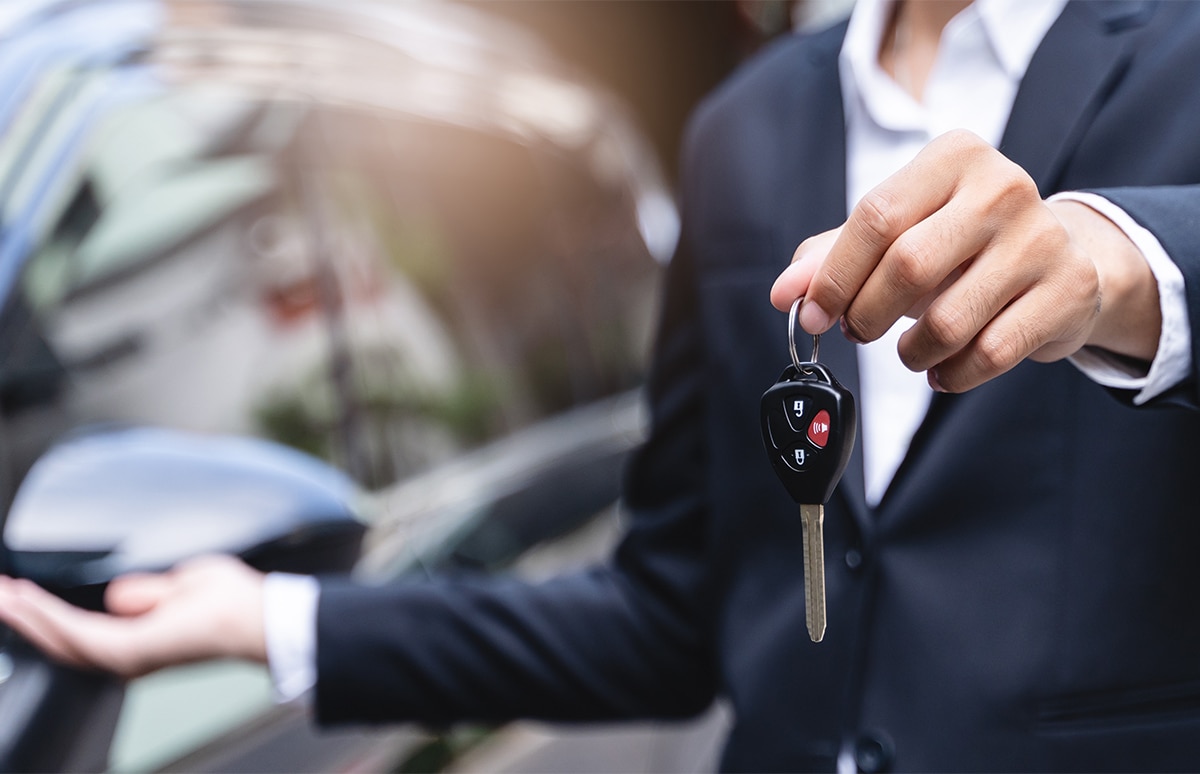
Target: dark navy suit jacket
{"type": "Point", "coordinates": [1026, 595]}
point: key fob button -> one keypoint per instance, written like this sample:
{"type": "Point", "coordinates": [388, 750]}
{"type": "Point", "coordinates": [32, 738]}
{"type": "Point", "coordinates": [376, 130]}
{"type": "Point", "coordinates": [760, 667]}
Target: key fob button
{"type": "Point", "coordinates": [799, 457]}
{"type": "Point", "coordinates": [818, 429]}
{"type": "Point", "coordinates": [797, 408]}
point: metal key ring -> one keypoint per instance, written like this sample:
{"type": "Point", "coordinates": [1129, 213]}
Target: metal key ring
{"type": "Point", "coordinates": [792, 318]}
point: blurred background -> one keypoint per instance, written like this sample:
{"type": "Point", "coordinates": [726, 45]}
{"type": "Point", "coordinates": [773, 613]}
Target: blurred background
{"type": "Point", "coordinates": [418, 242]}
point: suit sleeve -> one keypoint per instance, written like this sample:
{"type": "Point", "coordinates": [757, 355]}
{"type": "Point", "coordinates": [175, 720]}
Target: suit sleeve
{"type": "Point", "coordinates": [1172, 214]}
{"type": "Point", "coordinates": [624, 640]}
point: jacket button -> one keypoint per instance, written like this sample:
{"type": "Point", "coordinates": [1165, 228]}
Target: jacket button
{"type": "Point", "coordinates": [854, 559]}
{"type": "Point", "coordinates": [874, 752]}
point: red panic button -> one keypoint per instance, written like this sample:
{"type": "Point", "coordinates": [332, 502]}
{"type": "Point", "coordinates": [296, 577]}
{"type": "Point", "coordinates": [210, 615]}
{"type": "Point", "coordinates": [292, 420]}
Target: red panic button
{"type": "Point", "coordinates": [818, 429]}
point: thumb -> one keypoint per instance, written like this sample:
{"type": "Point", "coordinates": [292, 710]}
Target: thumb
{"type": "Point", "coordinates": [793, 282]}
{"type": "Point", "coordinates": [137, 593]}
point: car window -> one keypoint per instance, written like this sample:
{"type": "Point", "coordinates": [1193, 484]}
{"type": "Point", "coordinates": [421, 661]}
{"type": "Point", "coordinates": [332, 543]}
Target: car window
{"type": "Point", "coordinates": [382, 293]}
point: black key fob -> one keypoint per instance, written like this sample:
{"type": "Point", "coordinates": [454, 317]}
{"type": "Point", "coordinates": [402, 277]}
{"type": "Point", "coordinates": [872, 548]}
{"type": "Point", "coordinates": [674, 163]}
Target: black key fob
{"type": "Point", "coordinates": [808, 427]}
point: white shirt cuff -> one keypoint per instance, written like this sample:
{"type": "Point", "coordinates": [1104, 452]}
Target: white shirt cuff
{"type": "Point", "coordinates": [1173, 361]}
{"type": "Point", "coordinates": [290, 624]}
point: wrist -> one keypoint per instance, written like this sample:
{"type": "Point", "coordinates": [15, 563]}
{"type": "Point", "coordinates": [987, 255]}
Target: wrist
{"type": "Point", "coordinates": [247, 638]}
{"type": "Point", "coordinates": [1128, 317]}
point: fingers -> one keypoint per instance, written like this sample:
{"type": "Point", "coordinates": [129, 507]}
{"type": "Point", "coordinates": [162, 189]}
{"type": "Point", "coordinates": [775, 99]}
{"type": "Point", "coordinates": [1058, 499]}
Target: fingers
{"type": "Point", "coordinates": [1035, 297]}
{"type": "Point", "coordinates": [1041, 325]}
{"type": "Point", "coordinates": [889, 210]}
{"type": "Point", "coordinates": [64, 632]}
{"type": "Point", "coordinates": [909, 237]}
{"type": "Point", "coordinates": [77, 637]}
{"type": "Point", "coordinates": [960, 240]}
{"type": "Point", "coordinates": [207, 608]}
{"type": "Point", "coordinates": [958, 312]}
{"type": "Point", "coordinates": [920, 264]}
{"type": "Point", "coordinates": [793, 282]}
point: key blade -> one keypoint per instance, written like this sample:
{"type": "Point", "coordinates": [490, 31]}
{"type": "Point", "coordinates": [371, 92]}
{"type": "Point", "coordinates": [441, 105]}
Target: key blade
{"type": "Point", "coordinates": [812, 519]}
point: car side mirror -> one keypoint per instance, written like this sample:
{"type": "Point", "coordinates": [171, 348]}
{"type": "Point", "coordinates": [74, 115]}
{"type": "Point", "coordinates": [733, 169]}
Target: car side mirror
{"type": "Point", "coordinates": [113, 501]}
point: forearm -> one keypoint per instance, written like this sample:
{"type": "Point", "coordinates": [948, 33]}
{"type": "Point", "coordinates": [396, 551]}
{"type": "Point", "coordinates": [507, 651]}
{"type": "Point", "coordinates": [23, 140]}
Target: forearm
{"type": "Point", "coordinates": [583, 647]}
{"type": "Point", "coordinates": [629, 639]}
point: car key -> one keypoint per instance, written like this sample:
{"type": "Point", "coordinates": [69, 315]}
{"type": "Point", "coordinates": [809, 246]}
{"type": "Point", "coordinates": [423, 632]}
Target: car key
{"type": "Point", "coordinates": [808, 428]}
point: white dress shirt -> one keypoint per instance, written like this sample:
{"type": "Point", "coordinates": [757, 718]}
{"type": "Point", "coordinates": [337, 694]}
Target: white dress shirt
{"type": "Point", "coordinates": [290, 628]}
{"type": "Point", "coordinates": [983, 55]}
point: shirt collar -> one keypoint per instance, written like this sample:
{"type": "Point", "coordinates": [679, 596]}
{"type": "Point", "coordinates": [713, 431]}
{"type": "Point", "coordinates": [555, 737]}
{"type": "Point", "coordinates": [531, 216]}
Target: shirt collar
{"type": "Point", "coordinates": [1014, 28]}
{"type": "Point", "coordinates": [865, 85]}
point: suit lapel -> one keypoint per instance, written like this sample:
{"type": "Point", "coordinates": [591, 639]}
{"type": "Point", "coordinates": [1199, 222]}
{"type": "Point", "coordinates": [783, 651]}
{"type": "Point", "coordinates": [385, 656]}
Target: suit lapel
{"type": "Point", "coordinates": [1078, 63]}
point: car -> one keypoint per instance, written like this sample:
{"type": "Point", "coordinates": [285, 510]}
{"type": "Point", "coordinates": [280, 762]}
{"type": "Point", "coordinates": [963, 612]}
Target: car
{"type": "Point", "coordinates": [334, 286]}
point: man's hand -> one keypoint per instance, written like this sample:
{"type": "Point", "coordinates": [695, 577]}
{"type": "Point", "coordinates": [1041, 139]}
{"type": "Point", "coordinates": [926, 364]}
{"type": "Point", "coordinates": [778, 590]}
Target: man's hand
{"type": "Point", "coordinates": [960, 240]}
{"type": "Point", "coordinates": [206, 608]}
